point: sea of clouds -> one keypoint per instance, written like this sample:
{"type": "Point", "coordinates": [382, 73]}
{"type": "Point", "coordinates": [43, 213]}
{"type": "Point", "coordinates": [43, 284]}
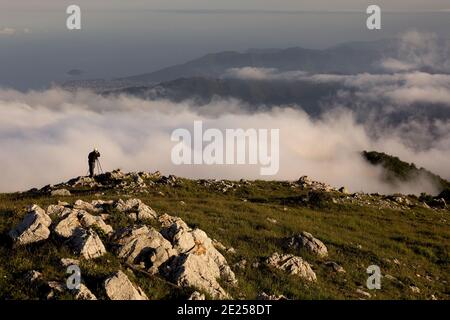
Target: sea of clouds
{"type": "Point", "coordinates": [45, 136]}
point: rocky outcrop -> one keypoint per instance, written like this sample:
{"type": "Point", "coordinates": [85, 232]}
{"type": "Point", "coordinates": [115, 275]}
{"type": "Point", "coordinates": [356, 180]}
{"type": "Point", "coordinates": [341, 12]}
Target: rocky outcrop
{"type": "Point", "coordinates": [87, 244]}
{"type": "Point", "coordinates": [306, 241]}
{"type": "Point", "coordinates": [136, 209]}
{"type": "Point", "coordinates": [185, 256]}
{"type": "Point", "coordinates": [198, 271]}
{"type": "Point", "coordinates": [83, 293]}
{"type": "Point", "coordinates": [60, 193]}
{"type": "Point", "coordinates": [83, 182]}
{"type": "Point", "coordinates": [145, 245]}
{"type": "Point", "coordinates": [76, 218]}
{"type": "Point", "coordinates": [57, 210]}
{"type": "Point", "coordinates": [198, 264]}
{"type": "Point", "coordinates": [119, 287]}
{"type": "Point", "coordinates": [88, 220]}
{"type": "Point", "coordinates": [33, 228]}
{"type": "Point", "coordinates": [66, 262]}
{"type": "Point", "coordinates": [305, 183]}
{"type": "Point", "coordinates": [293, 265]}
{"type": "Point", "coordinates": [66, 227]}
{"type": "Point", "coordinates": [85, 206]}
{"type": "Point", "coordinates": [197, 296]}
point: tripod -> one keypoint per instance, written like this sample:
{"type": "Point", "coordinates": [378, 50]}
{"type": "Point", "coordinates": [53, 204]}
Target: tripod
{"type": "Point", "coordinates": [98, 167]}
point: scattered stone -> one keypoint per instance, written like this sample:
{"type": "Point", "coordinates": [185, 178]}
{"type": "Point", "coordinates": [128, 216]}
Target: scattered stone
{"type": "Point", "coordinates": [133, 216]}
{"type": "Point", "coordinates": [119, 287]}
{"type": "Point", "coordinates": [137, 179]}
{"type": "Point", "coordinates": [306, 241]}
{"type": "Point", "coordinates": [271, 220]}
{"type": "Point", "coordinates": [56, 286]}
{"type": "Point", "coordinates": [170, 180]}
{"type": "Point", "coordinates": [102, 203]}
{"type": "Point", "coordinates": [60, 193]}
{"type": "Point", "coordinates": [335, 267]}
{"type": "Point", "coordinates": [414, 289]}
{"type": "Point", "coordinates": [66, 227]}
{"type": "Point", "coordinates": [116, 174]}
{"type": "Point", "coordinates": [218, 245]}
{"type": "Point", "coordinates": [198, 264]}
{"type": "Point", "coordinates": [86, 206]}
{"type": "Point", "coordinates": [197, 296]}
{"type": "Point", "coordinates": [33, 276]}
{"type": "Point", "coordinates": [83, 182]}
{"type": "Point", "coordinates": [83, 293]}
{"type": "Point", "coordinates": [88, 244]}
{"type": "Point", "coordinates": [56, 209]}
{"type": "Point", "coordinates": [33, 228]}
{"type": "Point", "coordinates": [88, 220]}
{"type": "Point", "coordinates": [143, 244]}
{"type": "Point", "coordinates": [198, 271]}
{"type": "Point", "coordinates": [241, 264]}
{"type": "Point", "coordinates": [293, 265]}
{"type": "Point", "coordinates": [389, 277]}
{"type": "Point", "coordinates": [305, 183]}
{"type": "Point", "coordinates": [142, 211]}
{"type": "Point", "coordinates": [363, 293]}
{"type": "Point", "coordinates": [394, 279]}
{"type": "Point", "coordinates": [66, 262]}
{"type": "Point", "coordinates": [265, 296]}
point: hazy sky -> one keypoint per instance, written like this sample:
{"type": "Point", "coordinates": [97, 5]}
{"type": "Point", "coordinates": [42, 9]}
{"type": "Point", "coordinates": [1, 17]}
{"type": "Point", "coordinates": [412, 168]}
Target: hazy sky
{"type": "Point", "coordinates": [234, 4]}
{"type": "Point", "coordinates": [121, 38]}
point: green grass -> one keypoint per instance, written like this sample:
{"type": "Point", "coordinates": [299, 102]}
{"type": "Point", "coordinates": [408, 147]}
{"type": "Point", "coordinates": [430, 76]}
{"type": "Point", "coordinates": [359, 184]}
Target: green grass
{"type": "Point", "coordinates": [356, 237]}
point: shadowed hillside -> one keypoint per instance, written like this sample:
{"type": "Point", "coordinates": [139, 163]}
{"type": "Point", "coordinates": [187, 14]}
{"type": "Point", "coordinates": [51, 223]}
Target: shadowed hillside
{"type": "Point", "coordinates": [397, 171]}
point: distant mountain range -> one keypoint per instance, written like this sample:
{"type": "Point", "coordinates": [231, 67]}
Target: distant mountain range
{"type": "Point", "coordinates": [204, 79]}
{"type": "Point", "coordinates": [348, 58]}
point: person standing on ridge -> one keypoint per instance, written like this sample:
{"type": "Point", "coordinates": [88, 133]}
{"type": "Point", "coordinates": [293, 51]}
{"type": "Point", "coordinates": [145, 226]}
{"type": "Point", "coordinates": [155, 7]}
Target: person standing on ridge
{"type": "Point", "coordinates": [92, 159]}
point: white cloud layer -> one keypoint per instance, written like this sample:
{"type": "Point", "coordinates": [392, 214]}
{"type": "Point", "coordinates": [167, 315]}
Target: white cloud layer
{"type": "Point", "coordinates": [45, 138]}
{"type": "Point", "coordinates": [397, 88]}
{"type": "Point", "coordinates": [417, 50]}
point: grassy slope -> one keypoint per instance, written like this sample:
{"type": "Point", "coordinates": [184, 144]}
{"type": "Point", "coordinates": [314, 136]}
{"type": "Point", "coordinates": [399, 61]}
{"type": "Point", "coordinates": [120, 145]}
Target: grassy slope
{"type": "Point", "coordinates": [356, 237]}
